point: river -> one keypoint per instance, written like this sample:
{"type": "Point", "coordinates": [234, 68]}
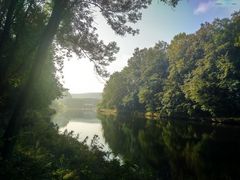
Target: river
{"type": "Point", "coordinates": [85, 124]}
{"type": "Point", "coordinates": [165, 149]}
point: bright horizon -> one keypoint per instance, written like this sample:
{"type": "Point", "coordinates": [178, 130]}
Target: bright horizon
{"type": "Point", "coordinates": [159, 22]}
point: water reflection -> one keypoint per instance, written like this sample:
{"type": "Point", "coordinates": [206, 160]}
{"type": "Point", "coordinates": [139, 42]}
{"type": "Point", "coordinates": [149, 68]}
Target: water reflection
{"type": "Point", "coordinates": [63, 118]}
{"type": "Point", "coordinates": [85, 124]}
{"type": "Point", "coordinates": [173, 149]}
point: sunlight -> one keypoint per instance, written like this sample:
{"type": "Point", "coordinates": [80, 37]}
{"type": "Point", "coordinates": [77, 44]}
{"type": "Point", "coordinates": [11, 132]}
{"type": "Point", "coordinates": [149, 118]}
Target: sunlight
{"type": "Point", "coordinates": [80, 77]}
{"type": "Point", "coordinates": [169, 109]}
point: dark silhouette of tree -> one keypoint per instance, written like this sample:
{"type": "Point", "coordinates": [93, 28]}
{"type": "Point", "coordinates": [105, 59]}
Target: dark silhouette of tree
{"type": "Point", "coordinates": [70, 25]}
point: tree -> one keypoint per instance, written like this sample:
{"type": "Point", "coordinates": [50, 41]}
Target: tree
{"type": "Point", "coordinates": [215, 81]}
{"type": "Point", "coordinates": [72, 22]}
{"type": "Point", "coordinates": [114, 91]}
{"type": "Point", "coordinates": [154, 74]}
{"type": "Point", "coordinates": [195, 76]}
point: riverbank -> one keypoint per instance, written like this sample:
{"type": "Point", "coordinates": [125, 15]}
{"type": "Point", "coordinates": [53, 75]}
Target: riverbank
{"type": "Point", "coordinates": [157, 116]}
{"type": "Point", "coordinates": [107, 111]}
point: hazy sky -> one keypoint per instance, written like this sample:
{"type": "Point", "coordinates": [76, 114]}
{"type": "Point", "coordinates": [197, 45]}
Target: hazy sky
{"type": "Point", "coordinates": [159, 22]}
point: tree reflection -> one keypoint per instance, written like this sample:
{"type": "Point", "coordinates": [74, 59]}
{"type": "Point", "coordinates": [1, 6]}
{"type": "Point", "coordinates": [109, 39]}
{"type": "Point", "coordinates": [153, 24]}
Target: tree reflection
{"type": "Point", "coordinates": [63, 118]}
{"type": "Point", "coordinates": [175, 150]}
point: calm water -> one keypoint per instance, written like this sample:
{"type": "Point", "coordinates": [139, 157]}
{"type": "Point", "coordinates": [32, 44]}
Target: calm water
{"type": "Point", "coordinates": [165, 149]}
{"type": "Point", "coordinates": [84, 123]}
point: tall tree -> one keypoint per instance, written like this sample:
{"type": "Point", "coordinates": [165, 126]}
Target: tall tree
{"type": "Point", "coordinates": [196, 75]}
{"type": "Point", "coordinates": [74, 21]}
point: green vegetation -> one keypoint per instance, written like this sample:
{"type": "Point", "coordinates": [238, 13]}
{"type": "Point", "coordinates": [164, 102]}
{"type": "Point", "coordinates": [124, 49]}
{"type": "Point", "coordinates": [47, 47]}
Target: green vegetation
{"type": "Point", "coordinates": [35, 38]}
{"type": "Point", "coordinates": [196, 75]}
{"type": "Point", "coordinates": [42, 153]}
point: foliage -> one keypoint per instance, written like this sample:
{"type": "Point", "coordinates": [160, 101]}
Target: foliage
{"type": "Point", "coordinates": [35, 38]}
{"type": "Point", "coordinates": [196, 75]}
{"type": "Point", "coordinates": [42, 153]}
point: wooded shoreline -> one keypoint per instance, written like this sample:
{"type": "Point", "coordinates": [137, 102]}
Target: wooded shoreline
{"type": "Point", "coordinates": [156, 116]}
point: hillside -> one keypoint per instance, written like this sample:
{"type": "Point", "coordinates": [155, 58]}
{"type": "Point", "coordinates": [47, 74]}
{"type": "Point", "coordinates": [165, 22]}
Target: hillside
{"type": "Point", "coordinates": [87, 95]}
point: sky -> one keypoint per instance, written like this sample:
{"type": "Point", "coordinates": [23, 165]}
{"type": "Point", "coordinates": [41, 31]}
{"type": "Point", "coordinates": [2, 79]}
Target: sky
{"type": "Point", "coordinates": [159, 22]}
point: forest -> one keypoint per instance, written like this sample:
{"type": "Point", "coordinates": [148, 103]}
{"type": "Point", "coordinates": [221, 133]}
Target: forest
{"type": "Point", "coordinates": [196, 75]}
{"type": "Point", "coordinates": [36, 36]}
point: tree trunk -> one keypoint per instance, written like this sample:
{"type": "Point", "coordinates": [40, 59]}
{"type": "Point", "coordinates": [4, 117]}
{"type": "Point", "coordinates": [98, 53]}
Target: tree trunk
{"type": "Point", "coordinates": [5, 72]}
{"type": "Point", "coordinates": [26, 94]}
